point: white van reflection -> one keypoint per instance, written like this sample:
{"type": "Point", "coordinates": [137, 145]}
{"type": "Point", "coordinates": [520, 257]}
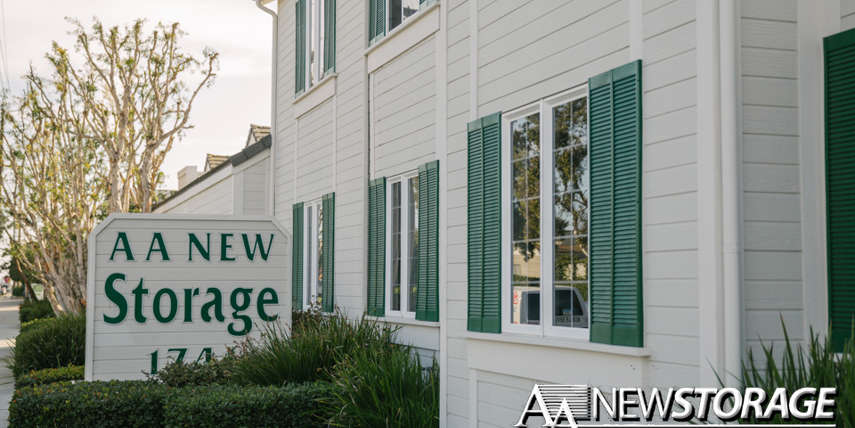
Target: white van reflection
{"type": "Point", "coordinates": [571, 309]}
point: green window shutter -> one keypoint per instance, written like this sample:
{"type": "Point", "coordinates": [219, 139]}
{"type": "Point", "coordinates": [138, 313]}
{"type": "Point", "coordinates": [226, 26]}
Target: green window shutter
{"type": "Point", "coordinates": [839, 52]}
{"type": "Point", "coordinates": [328, 253]}
{"type": "Point", "coordinates": [377, 20]}
{"type": "Point", "coordinates": [300, 48]}
{"type": "Point", "coordinates": [484, 224]}
{"type": "Point", "coordinates": [377, 247]}
{"type": "Point", "coordinates": [297, 258]}
{"type": "Point", "coordinates": [427, 297]}
{"type": "Point", "coordinates": [329, 35]}
{"type": "Point", "coordinates": [615, 212]}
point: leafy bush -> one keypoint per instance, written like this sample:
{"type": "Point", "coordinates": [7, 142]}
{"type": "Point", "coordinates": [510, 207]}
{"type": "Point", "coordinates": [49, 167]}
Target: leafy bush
{"type": "Point", "coordinates": [87, 404]}
{"type": "Point", "coordinates": [151, 404]}
{"type": "Point", "coordinates": [818, 366]}
{"type": "Point", "coordinates": [316, 344]}
{"type": "Point", "coordinates": [180, 373]}
{"type": "Point", "coordinates": [386, 389]}
{"type": "Point", "coordinates": [35, 309]}
{"type": "Point", "coordinates": [17, 291]}
{"type": "Point", "coordinates": [30, 324]}
{"type": "Point", "coordinates": [53, 343]}
{"type": "Point", "coordinates": [46, 376]}
{"type": "Point", "coordinates": [248, 406]}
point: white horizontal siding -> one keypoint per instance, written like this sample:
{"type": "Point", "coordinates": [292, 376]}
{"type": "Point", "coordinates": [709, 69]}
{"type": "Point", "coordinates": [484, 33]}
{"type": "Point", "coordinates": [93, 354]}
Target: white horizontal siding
{"type": "Point", "coordinates": [772, 285]}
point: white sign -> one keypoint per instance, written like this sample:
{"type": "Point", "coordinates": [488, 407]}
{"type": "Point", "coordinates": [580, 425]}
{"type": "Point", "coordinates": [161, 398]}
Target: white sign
{"type": "Point", "coordinates": [164, 287]}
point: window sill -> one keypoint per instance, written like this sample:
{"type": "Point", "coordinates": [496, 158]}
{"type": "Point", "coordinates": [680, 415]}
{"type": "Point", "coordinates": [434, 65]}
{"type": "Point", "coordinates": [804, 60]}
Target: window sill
{"type": "Point", "coordinates": [412, 31]}
{"type": "Point", "coordinates": [315, 95]}
{"type": "Point", "coordinates": [559, 342]}
{"type": "Point", "coordinates": [405, 321]}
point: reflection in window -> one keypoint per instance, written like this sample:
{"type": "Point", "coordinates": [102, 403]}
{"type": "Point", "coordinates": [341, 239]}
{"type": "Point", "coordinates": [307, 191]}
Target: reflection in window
{"type": "Point", "coordinates": [413, 242]}
{"type": "Point", "coordinates": [570, 208]}
{"type": "Point", "coordinates": [396, 246]}
{"type": "Point", "coordinates": [525, 235]}
{"type": "Point", "coordinates": [399, 10]}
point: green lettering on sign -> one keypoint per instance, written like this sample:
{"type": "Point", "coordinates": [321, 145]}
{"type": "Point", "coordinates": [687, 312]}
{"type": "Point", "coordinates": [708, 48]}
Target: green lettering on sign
{"type": "Point", "coordinates": [157, 238]}
{"type": "Point", "coordinates": [122, 238]}
{"type": "Point", "coordinates": [116, 298]}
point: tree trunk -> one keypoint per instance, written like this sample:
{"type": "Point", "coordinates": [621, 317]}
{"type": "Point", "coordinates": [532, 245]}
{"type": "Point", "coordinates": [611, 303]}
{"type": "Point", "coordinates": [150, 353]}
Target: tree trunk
{"type": "Point", "coordinates": [28, 291]}
{"type": "Point", "coordinates": [115, 186]}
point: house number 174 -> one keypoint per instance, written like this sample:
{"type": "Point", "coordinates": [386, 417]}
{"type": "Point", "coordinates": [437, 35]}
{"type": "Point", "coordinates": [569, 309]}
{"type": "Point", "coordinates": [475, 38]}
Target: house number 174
{"type": "Point", "coordinates": [181, 352]}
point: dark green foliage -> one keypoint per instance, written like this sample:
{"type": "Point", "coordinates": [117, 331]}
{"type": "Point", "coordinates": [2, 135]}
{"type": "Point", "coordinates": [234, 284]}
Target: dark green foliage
{"type": "Point", "coordinates": [17, 291]}
{"type": "Point", "coordinates": [30, 324]}
{"type": "Point", "coordinates": [35, 309]}
{"type": "Point", "coordinates": [817, 366]}
{"type": "Point", "coordinates": [180, 373]}
{"type": "Point", "coordinates": [150, 404]}
{"type": "Point", "coordinates": [46, 376]}
{"type": "Point", "coordinates": [118, 404]}
{"type": "Point", "coordinates": [309, 353]}
{"type": "Point", "coordinates": [53, 343]}
{"type": "Point", "coordinates": [248, 406]}
{"type": "Point", "coordinates": [386, 389]}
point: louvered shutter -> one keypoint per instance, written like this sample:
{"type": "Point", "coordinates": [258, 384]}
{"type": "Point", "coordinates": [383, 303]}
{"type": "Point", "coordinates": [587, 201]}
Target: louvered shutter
{"type": "Point", "coordinates": [377, 20]}
{"type": "Point", "coordinates": [484, 224]}
{"type": "Point", "coordinates": [427, 297]}
{"type": "Point", "coordinates": [840, 183]}
{"type": "Point", "coordinates": [300, 48]}
{"type": "Point", "coordinates": [329, 35]}
{"type": "Point", "coordinates": [297, 257]}
{"type": "Point", "coordinates": [377, 247]}
{"type": "Point", "coordinates": [328, 253]}
{"type": "Point", "coordinates": [615, 217]}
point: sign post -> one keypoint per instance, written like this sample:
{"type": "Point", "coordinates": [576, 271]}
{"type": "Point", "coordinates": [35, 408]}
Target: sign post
{"type": "Point", "coordinates": [165, 287]}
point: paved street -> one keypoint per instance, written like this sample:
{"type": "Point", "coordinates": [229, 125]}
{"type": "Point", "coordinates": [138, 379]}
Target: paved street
{"type": "Point", "coordinates": [8, 330]}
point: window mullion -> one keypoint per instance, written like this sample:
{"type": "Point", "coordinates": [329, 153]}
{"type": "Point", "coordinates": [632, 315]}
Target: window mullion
{"type": "Point", "coordinates": [546, 244]}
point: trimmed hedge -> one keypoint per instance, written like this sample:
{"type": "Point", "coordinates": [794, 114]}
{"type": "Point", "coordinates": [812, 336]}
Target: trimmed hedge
{"type": "Point", "coordinates": [298, 405]}
{"type": "Point", "coordinates": [150, 404]}
{"type": "Point", "coordinates": [46, 376]}
{"type": "Point", "coordinates": [57, 342]}
{"type": "Point", "coordinates": [35, 309]}
{"type": "Point", "coordinates": [86, 404]}
{"type": "Point", "coordinates": [17, 291]}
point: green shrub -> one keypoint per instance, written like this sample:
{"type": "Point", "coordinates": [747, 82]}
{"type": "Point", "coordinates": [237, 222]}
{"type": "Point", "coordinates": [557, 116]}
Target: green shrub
{"type": "Point", "coordinates": [53, 343]}
{"type": "Point", "coordinates": [30, 324]}
{"type": "Point", "coordinates": [218, 371]}
{"type": "Point", "coordinates": [35, 309]}
{"type": "Point", "coordinates": [386, 389]}
{"type": "Point", "coordinates": [818, 366]}
{"type": "Point", "coordinates": [17, 291]}
{"type": "Point", "coordinates": [248, 406]}
{"type": "Point", "coordinates": [88, 404]}
{"type": "Point", "coordinates": [316, 344]}
{"type": "Point", "coordinates": [45, 376]}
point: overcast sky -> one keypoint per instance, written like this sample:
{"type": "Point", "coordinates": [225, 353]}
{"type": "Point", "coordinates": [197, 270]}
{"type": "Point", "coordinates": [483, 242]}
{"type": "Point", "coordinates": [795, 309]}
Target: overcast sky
{"type": "Point", "coordinates": [235, 28]}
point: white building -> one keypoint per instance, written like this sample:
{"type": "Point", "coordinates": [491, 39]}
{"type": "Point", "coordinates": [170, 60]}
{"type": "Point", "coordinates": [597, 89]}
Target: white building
{"type": "Point", "coordinates": [229, 185]}
{"type": "Point", "coordinates": [690, 135]}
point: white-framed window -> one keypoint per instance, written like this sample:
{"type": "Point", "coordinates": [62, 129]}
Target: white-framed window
{"type": "Point", "coordinates": [545, 216]}
{"type": "Point", "coordinates": [402, 245]}
{"type": "Point", "coordinates": [399, 10]}
{"type": "Point", "coordinates": [315, 33]}
{"type": "Point", "coordinates": [312, 261]}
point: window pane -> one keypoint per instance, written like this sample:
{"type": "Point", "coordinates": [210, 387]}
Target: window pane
{"type": "Point", "coordinates": [400, 10]}
{"type": "Point", "coordinates": [320, 266]}
{"type": "Point", "coordinates": [413, 250]}
{"type": "Point", "coordinates": [525, 234]}
{"type": "Point", "coordinates": [396, 247]}
{"type": "Point", "coordinates": [313, 40]}
{"type": "Point", "coordinates": [570, 210]}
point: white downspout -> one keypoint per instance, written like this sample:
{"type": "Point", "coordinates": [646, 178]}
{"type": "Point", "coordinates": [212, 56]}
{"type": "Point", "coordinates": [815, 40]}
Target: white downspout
{"type": "Point", "coordinates": [731, 162]}
{"type": "Point", "coordinates": [274, 83]}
